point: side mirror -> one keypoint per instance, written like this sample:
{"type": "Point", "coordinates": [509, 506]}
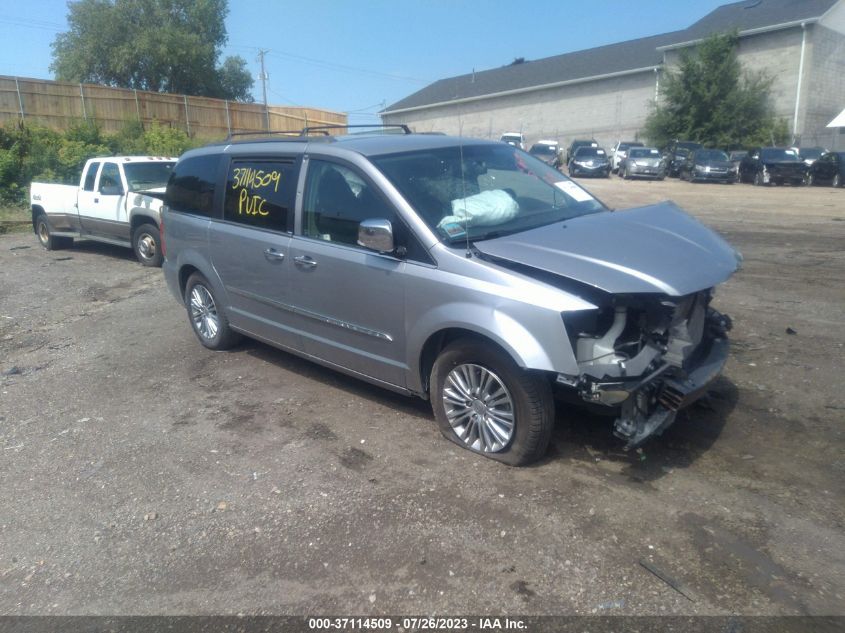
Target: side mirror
{"type": "Point", "coordinates": [376, 235]}
{"type": "Point", "coordinates": [111, 190]}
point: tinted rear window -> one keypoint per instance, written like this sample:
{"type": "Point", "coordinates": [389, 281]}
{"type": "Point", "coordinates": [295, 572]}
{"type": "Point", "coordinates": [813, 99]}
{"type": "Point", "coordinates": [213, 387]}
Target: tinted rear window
{"type": "Point", "coordinates": [261, 193]}
{"type": "Point", "coordinates": [191, 185]}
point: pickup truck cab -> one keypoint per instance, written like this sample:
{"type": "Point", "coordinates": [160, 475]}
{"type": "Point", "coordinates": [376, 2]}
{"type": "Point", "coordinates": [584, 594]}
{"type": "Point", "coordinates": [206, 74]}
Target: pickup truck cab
{"type": "Point", "coordinates": [117, 202]}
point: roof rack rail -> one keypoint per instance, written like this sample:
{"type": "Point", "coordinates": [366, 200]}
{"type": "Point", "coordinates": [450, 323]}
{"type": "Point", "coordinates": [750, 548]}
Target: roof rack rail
{"type": "Point", "coordinates": [320, 128]}
{"type": "Point", "coordinates": [290, 133]}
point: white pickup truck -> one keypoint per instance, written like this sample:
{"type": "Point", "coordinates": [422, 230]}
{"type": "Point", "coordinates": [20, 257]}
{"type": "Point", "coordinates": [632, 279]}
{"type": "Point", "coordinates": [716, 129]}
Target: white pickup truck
{"type": "Point", "coordinates": [117, 202]}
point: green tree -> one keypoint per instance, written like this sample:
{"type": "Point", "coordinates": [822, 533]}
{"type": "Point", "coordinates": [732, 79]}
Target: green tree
{"type": "Point", "coordinates": [157, 45]}
{"type": "Point", "coordinates": [711, 100]}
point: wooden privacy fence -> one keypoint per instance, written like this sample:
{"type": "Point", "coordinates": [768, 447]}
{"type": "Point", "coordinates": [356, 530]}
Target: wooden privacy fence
{"type": "Point", "coordinates": [58, 105]}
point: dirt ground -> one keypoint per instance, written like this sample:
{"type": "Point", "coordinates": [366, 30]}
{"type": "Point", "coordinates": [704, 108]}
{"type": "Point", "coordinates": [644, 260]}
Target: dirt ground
{"type": "Point", "coordinates": [143, 474]}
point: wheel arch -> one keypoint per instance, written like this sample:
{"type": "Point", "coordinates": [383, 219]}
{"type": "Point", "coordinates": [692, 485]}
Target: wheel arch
{"type": "Point", "coordinates": [37, 210]}
{"type": "Point", "coordinates": [532, 358]}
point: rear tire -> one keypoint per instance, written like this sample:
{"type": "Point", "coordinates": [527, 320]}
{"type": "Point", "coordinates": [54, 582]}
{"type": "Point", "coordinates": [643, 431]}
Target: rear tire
{"type": "Point", "coordinates": [207, 316]}
{"type": "Point", "coordinates": [487, 404]}
{"type": "Point", "coordinates": [45, 235]}
{"type": "Point", "coordinates": [146, 242]}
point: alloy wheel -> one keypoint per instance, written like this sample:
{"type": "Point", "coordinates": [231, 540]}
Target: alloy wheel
{"type": "Point", "coordinates": [479, 408]}
{"type": "Point", "coordinates": [204, 315]}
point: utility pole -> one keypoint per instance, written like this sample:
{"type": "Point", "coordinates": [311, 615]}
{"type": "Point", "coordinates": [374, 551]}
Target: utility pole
{"type": "Point", "coordinates": [264, 79]}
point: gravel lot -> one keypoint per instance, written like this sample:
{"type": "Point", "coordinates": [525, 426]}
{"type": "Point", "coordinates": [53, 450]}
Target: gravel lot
{"type": "Point", "coordinates": [143, 474]}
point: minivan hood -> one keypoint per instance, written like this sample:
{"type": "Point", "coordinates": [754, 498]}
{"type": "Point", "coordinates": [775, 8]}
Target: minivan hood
{"type": "Point", "coordinates": [657, 248]}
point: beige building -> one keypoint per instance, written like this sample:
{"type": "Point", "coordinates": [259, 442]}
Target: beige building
{"type": "Point", "coordinates": [606, 92]}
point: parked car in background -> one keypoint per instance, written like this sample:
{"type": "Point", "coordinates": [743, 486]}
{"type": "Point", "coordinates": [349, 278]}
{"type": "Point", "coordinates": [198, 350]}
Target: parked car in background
{"type": "Point", "coordinates": [829, 169]}
{"type": "Point", "coordinates": [736, 156]}
{"type": "Point", "coordinates": [708, 165]}
{"type": "Point", "coordinates": [589, 161]}
{"type": "Point", "coordinates": [809, 154]}
{"type": "Point", "coordinates": [619, 152]}
{"type": "Point", "coordinates": [767, 165]}
{"type": "Point", "coordinates": [643, 162]}
{"type": "Point", "coordinates": [676, 154]}
{"type": "Point", "coordinates": [573, 147]}
{"type": "Point", "coordinates": [116, 201]}
{"type": "Point", "coordinates": [462, 271]}
{"type": "Point", "coordinates": [513, 138]}
{"type": "Point", "coordinates": [546, 151]}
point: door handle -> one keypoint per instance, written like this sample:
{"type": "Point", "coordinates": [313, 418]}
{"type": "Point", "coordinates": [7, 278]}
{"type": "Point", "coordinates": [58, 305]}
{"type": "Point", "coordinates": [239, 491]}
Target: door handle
{"type": "Point", "coordinates": [273, 255]}
{"type": "Point", "coordinates": [96, 200]}
{"type": "Point", "coordinates": [305, 262]}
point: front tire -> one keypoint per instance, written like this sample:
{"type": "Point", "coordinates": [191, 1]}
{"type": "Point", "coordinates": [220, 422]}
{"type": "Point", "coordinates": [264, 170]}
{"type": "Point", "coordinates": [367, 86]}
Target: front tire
{"type": "Point", "coordinates": [487, 404]}
{"type": "Point", "coordinates": [207, 316]}
{"type": "Point", "coordinates": [146, 242]}
{"type": "Point", "coordinates": [758, 179]}
{"type": "Point", "coordinates": [837, 181]}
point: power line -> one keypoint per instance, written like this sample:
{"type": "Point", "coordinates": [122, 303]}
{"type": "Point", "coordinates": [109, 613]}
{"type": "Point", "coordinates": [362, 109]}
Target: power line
{"type": "Point", "coordinates": [343, 67]}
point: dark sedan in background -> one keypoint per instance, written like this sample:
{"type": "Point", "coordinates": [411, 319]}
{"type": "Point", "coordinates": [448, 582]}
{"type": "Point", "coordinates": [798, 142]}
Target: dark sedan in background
{"type": "Point", "coordinates": [767, 165]}
{"type": "Point", "coordinates": [708, 165]}
{"type": "Point", "coordinates": [589, 161]}
{"type": "Point", "coordinates": [643, 162]}
{"type": "Point", "coordinates": [676, 154]}
{"type": "Point", "coordinates": [546, 151]}
{"type": "Point", "coordinates": [829, 169]}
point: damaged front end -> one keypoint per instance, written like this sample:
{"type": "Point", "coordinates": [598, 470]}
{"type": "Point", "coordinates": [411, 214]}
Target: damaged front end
{"type": "Point", "coordinates": [646, 356]}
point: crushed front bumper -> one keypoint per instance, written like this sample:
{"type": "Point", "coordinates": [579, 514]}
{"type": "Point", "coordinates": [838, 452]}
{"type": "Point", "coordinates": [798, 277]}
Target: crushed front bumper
{"type": "Point", "coordinates": [652, 407]}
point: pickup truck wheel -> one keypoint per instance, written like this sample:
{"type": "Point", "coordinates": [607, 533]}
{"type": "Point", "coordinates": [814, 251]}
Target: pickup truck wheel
{"type": "Point", "coordinates": [837, 181]}
{"type": "Point", "coordinates": [146, 240]}
{"type": "Point", "coordinates": [46, 237]}
{"type": "Point", "coordinates": [487, 404]}
{"type": "Point", "coordinates": [207, 317]}
{"type": "Point", "coordinates": [758, 179]}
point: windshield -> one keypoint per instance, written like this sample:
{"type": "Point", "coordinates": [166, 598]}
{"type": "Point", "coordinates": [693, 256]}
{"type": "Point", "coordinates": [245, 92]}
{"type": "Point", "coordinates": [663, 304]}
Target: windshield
{"type": "Point", "coordinates": [643, 153]}
{"type": "Point", "coordinates": [587, 152]}
{"type": "Point", "coordinates": [704, 155]}
{"type": "Point", "coordinates": [688, 145]}
{"type": "Point", "coordinates": [775, 153]}
{"type": "Point", "coordinates": [738, 155]}
{"type": "Point", "coordinates": [141, 176]}
{"type": "Point", "coordinates": [484, 190]}
{"type": "Point", "coordinates": [811, 152]}
{"type": "Point", "coordinates": [543, 150]}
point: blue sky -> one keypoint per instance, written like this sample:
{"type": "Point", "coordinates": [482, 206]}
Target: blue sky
{"type": "Point", "coordinates": [356, 55]}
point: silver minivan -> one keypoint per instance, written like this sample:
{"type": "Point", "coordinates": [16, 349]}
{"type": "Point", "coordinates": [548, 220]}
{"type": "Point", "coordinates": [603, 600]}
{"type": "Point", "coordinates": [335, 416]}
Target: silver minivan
{"type": "Point", "coordinates": [462, 271]}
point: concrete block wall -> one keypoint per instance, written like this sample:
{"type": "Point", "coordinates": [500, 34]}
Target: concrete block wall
{"type": "Point", "coordinates": [606, 109]}
{"type": "Point", "coordinates": [826, 88]}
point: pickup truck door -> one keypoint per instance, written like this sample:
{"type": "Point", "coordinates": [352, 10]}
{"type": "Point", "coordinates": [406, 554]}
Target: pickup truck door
{"type": "Point", "coordinates": [102, 211]}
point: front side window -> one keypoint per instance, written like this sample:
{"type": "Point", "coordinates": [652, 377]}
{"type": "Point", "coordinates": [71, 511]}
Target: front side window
{"type": "Point", "coordinates": [261, 193]}
{"type": "Point", "coordinates": [477, 192]}
{"type": "Point", "coordinates": [337, 200]}
{"type": "Point", "coordinates": [91, 176]}
{"type": "Point", "coordinates": [191, 185]}
{"type": "Point", "coordinates": [110, 176]}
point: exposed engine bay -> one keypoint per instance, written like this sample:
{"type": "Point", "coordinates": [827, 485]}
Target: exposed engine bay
{"type": "Point", "coordinates": [648, 356]}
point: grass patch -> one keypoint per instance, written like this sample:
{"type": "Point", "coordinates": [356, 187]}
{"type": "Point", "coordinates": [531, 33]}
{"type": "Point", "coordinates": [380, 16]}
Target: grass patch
{"type": "Point", "coordinates": [15, 219]}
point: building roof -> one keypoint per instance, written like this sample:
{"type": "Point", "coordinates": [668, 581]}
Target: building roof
{"type": "Point", "coordinates": [614, 59]}
{"type": "Point", "coordinates": [751, 15]}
